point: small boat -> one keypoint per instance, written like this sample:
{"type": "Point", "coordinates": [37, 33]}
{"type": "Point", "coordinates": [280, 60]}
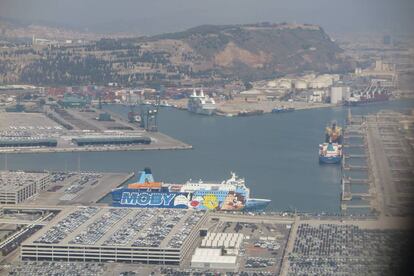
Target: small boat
{"type": "Point", "coordinates": [282, 109]}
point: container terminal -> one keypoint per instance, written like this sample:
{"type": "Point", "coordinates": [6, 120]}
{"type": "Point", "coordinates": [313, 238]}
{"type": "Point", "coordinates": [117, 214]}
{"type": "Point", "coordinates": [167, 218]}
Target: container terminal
{"type": "Point", "coordinates": [76, 130]}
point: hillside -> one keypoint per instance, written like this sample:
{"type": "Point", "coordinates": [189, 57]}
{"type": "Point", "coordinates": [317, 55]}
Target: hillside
{"type": "Point", "coordinates": [203, 54]}
{"type": "Point", "coordinates": [262, 49]}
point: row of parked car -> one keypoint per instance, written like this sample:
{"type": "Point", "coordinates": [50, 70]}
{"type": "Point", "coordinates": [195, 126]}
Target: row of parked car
{"type": "Point", "coordinates": [66, 226]}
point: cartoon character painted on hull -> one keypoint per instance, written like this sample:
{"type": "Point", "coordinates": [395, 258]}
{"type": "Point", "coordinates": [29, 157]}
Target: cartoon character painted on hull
{"type": "Point", "coordinates": [234, 201]}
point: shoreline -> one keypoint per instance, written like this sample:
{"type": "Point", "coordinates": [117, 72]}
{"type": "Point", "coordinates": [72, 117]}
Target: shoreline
{"type": "Point", "coordinates": [255, 110]}
{"type": "Point", "coordinates": [66, 150]}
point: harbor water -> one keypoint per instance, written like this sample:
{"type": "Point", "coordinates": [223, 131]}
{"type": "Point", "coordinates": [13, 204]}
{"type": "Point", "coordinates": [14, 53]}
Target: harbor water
{"type": "Point", "coordinates": [277, 154]}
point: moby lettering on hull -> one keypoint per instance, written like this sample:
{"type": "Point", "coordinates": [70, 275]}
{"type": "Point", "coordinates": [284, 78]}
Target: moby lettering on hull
{"type": "Point", "coordinates": [147, 199]}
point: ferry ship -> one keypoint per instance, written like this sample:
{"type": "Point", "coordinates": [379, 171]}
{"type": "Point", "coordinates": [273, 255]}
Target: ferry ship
{"type": "Point", "coordinates": [330, 153]}
{"type": "Point", "coordinates": [230, 195]}
{"type": "Point", "coordinates": [201, 104]}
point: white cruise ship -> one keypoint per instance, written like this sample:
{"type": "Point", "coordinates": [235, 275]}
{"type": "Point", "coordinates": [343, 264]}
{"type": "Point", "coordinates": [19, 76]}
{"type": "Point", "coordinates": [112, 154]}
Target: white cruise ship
{"type": "Point", "coordinates": [201, 104]}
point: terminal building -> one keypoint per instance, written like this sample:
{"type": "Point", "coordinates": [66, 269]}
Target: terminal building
{"type": "Point", "coordinates": [16, 187]}
{"type": "Point", "coordinates": [107, 234]}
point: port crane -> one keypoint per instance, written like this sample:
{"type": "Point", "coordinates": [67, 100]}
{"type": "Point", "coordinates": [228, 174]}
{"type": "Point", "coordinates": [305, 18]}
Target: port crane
{"type": "Point", "coordinates": [149, 115]}
{"type": "Point", "coordinates": [133, 116]}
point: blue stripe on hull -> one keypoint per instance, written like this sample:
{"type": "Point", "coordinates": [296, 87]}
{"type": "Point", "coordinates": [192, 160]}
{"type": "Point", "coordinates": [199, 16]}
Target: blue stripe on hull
{"type": "Point", "coordinates": [253, 205]}
{"type": "Point", "coordinates": [330, 160]}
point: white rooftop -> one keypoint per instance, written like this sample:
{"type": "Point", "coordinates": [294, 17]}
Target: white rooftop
{"type": "Point", "coordinates": [212, 255]}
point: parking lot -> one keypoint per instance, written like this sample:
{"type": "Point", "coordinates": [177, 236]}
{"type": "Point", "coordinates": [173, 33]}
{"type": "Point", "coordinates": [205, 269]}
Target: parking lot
{"type": "Point", "coordinates": [57, 268]}
{"type": "Point", "coordinates": [28, 124]}
{"type": "Point", "coordinates": [74, 188]}
{"type": "Point", "coordinates": [330, 249]}
{"type": "Point", "coordinates": [66, 226]}
{"type": "Point", "coordinates": [130, 227]}
{"type": "Point", "coordinates": [78, 184]}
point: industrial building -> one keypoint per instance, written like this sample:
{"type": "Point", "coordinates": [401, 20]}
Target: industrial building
{"type": "Point", "coordinates": [15, 187]}
{"type": "Point", "coordinates": [132, 235]}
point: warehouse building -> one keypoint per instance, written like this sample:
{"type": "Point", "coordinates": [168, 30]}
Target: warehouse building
{"type": "Point", "coordinates": [132, 235]}
{"type": "Point", "coordinates": [27, 142]}
{"type": "Point", "coordinates": [111, 140]}
{"type": "Point", "coordinates": [16, 187]}
{"type": "Point", "coordinates": [218, 251]}
{"type": "Point", "coordinates": [213, 258]}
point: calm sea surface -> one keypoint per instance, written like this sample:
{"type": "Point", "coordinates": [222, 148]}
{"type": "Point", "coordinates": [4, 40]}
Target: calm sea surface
{"type": "Point", "coordinates": [276, 153]}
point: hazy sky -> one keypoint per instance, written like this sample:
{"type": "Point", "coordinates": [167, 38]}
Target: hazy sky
{"type": "Point", "coordinates": [157, 16]}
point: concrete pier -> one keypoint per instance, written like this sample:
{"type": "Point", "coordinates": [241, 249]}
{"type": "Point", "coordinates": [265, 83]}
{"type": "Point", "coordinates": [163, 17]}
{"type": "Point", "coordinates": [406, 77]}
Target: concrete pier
{"type": "Point", "coordinates": [356, 129]}
{"type": "Point", "coordinates": [355, 168]}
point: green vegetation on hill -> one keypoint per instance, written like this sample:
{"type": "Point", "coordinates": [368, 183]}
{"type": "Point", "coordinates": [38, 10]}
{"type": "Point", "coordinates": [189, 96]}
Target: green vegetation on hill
{"type": "Point", "coordinates": [248, 52]}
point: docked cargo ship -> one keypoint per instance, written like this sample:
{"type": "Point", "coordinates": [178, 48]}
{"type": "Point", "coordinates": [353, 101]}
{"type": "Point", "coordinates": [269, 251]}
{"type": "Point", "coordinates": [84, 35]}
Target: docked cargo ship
{"type": "Point", "coordinates": [369, 96]}
{"type": "Point", "coordinates": [201, 104]}
{"type": "Point", "coordinates": [333, 134]}
{"type": "Point", "coordinates": [330, 153]}
{"type": "Point", "coordinates": [230, 195]}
